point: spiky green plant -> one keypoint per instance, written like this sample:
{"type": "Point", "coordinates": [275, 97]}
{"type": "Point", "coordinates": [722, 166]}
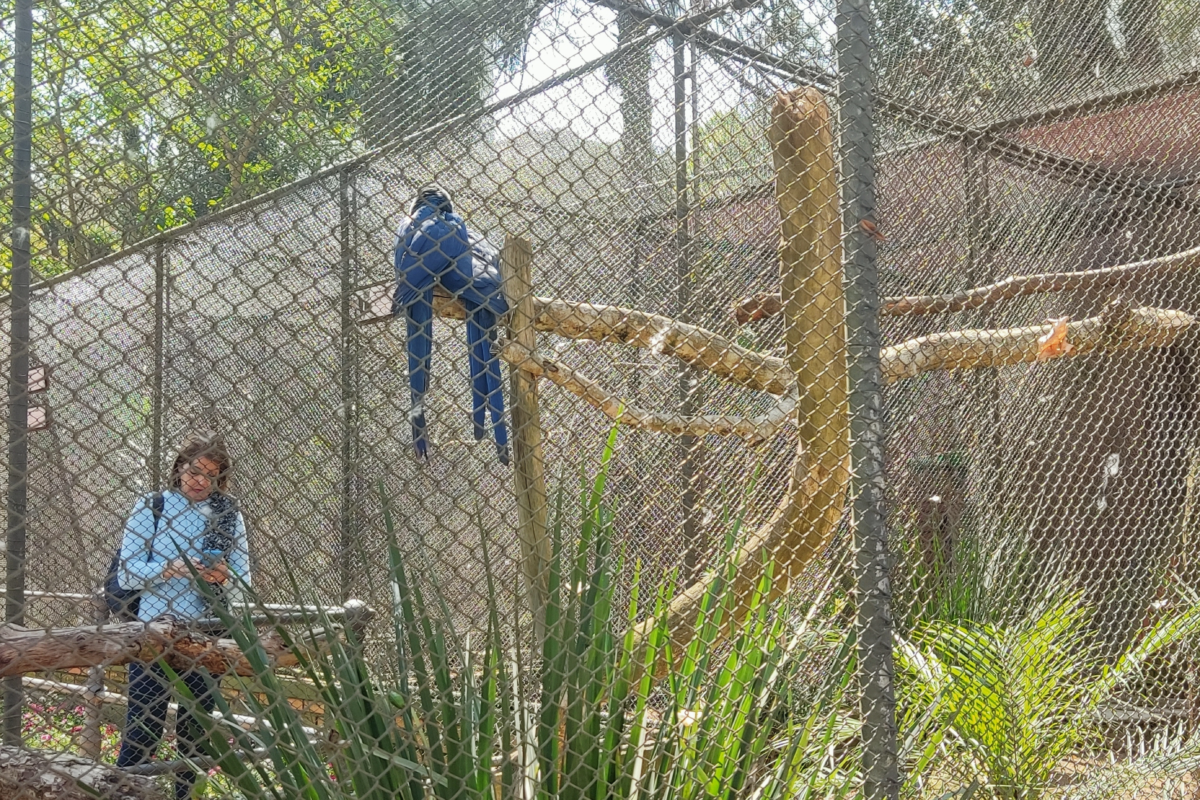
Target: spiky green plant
{"type": "Point", "coordinates": [459, 722]}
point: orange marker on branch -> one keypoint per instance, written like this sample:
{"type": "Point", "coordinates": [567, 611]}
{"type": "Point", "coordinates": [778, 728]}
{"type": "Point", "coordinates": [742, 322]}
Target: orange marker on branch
{"type": "Point", "coordinates": [1055, 343]}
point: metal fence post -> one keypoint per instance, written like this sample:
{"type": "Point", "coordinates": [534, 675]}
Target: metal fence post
{"type": "Point", "coordinates": [348, 381]}
{"type": "Point", "coordinates": [18, 375]}
{"type": "Point", "coordinates": [688, 446]}
{"type": "Point", "coordinates": [873, 591]}
{"type": "Point", "coordinates": [156, 379]}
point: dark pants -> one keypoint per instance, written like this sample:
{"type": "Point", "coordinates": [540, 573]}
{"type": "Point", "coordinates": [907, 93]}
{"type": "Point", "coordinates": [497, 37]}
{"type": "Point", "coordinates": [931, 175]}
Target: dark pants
{"type": "Point", "coordinates": [149, 692]}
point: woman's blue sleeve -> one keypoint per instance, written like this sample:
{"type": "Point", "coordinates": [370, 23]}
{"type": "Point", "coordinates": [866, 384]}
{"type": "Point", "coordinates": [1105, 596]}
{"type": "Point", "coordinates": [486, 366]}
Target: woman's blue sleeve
{"type": "Point", "coordinates": [138, 567]}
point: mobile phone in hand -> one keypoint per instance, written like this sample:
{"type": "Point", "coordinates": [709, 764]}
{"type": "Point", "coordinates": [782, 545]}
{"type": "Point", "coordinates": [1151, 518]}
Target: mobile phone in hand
{"type": "Point", "coordinates": [212, 557]}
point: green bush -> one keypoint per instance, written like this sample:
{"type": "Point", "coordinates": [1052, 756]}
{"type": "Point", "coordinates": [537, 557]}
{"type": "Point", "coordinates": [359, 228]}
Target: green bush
{"type": "Point", "coordinates": [1008, 703]}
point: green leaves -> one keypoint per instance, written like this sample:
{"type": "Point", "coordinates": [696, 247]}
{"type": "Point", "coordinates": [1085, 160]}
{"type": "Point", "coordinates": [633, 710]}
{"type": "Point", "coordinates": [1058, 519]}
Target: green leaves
{"type": "Point", "coordinates": [1014, 701]}
{"type": "Point", "coordinates": [148, 114]}
{"type": "Point", "coordinates": [458, 721]}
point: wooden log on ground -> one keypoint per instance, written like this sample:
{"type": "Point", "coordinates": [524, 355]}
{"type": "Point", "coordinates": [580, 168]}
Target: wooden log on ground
{"type": "Point", "coordinates": [25, 650]}
{"type": "Point", "coordinates": [38, 775]}
{"type": "Point", "coordinates": [811, 274]}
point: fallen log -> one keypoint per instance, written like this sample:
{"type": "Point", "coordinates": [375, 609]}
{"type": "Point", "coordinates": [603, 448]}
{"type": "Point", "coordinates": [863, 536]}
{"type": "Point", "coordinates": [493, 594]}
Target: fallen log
{"type": "Point", "coordinates": [38, 775]}
{"type": "Point", "coordinates": [25, 650]}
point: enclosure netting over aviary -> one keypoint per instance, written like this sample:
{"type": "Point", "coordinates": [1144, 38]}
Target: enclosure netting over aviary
{"type": "Point", "coordinates": [712, 240]}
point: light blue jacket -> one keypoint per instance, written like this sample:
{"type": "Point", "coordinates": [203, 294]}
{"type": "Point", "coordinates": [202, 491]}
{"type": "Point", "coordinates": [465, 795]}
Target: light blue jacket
{"type": "Point", "coordinates": [145, 552]}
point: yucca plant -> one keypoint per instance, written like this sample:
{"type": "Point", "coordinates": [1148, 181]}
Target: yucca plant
{"type": "Point", "coordinates": [460, 720]}
{"type": "Point", "coordinates": [1012, 702]}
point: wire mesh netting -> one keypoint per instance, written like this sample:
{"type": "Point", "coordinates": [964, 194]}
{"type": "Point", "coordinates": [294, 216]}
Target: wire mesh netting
{"type": "Point", "coordinates": [505, 398]}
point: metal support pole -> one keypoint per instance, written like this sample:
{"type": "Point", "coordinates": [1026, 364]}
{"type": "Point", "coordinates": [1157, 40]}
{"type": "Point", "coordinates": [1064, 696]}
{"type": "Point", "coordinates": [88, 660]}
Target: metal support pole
{"type": "Point", "coordinates": [876, 670]}
{"type": "Point", "coordinates": [156, 379]}
{"type": "Point", "coordinates": [18, 373]}
{"type": "Point", "coordinates": [634, 499]}
{"type": "Point", "coordinates": [688, 445]}
{"type": "Point", "coordinates": [346, 380]}
{"type": "Point", "coordinates": [988, 446]}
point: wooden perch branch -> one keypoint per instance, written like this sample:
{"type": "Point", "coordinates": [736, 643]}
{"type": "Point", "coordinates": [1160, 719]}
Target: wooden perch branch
{"type": "Point", "coordinates": [1120, 328]}
{"type": "Point", "coordinates": [766, 304]}
{"type": "Point", "coordinates": [693, 345]}
{"type": "Point", "coordinates": [753, 429]}
{"type": "Point", "coordinates": [33, 650]}
{"type": "Point", "coordinates": [1046, 282]}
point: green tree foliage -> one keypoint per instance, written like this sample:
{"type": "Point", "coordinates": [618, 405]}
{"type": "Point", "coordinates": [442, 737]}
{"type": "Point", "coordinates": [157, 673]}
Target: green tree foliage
{"type": "Point", "coordinates": [148, 114]}
{"type": "Point", "coordinates": [996, 55]}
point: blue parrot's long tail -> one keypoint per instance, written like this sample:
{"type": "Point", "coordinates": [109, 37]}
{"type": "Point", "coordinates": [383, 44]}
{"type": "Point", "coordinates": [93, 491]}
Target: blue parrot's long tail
{"type": "Point", "coordinates": [487, 394]}
{"type": "Point", "coordinates": [420, 350]}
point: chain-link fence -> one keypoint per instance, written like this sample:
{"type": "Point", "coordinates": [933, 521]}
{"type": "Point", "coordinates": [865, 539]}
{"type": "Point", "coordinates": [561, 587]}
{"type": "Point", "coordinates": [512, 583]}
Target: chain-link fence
{"type": "Point", "coordinates": [889, 306]}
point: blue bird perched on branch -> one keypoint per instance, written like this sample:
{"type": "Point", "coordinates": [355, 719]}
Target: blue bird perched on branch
{"type": "Point", "coordinates": [434, 248]}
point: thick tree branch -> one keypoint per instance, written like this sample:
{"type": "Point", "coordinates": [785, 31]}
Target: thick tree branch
{"type": "Point", "coordinates": [1120, 328]}
{"type": "Point", "coordinates": [34, 650]}
{"type": "Point", "coordinates": [1043, 283]}
{"type": "Point", "coordinates": [754, 430]}
{"type": "Point", "coordinates": [693, 345]}
{"type": "Point", "coordinates": [768, 304]}
{"type": "Point", "coordinates": [964, 349]}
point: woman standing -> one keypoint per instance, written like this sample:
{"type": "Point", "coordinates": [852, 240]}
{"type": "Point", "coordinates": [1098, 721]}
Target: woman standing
{"type": "Point", "coordinates": [196, 523]}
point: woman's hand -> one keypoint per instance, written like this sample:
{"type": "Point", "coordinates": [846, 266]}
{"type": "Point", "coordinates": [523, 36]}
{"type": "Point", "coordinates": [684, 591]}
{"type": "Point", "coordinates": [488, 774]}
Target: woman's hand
{"type": "Point", "coordinates": [176, 569]}
{"type": "Point", "coordinates": [219, 573]}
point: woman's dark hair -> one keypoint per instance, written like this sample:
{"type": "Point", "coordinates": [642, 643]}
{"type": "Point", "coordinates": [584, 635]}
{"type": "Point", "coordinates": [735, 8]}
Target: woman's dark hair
{"type": "Point", "coordinates": [203, 444]}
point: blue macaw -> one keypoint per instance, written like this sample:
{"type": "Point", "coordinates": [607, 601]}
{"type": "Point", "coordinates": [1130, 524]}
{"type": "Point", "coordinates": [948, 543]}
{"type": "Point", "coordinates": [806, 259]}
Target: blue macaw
{"type": "Point", "coordinates": [434, 247]}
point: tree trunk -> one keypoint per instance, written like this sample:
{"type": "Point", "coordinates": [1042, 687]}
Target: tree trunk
{"type": "Point", "coordinates": [811, 272]}
{"type": "Point", "coordinates": [1072, 41]}
{"type": "Point", "coordinates": [1140, 22]}
{"type": "Point", "coordinates": [631, 73]}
